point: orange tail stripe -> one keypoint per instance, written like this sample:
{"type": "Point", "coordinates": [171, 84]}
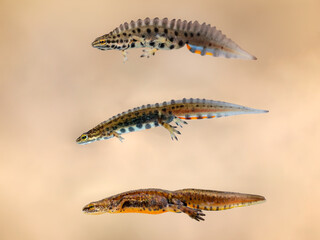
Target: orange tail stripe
{"type": "Point", "coordinates": [194, 118]}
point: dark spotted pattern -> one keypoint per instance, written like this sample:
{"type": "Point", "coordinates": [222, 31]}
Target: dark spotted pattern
{"type": "Point", "coordinates": [148, 116]}
{"type": "Point", "coordinates": [175, 32]}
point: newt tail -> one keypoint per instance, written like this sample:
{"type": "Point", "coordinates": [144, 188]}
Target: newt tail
{"type": "Point", "coordinates": [161, 34]}
{"type": "Point", "coordinates": [157, 201]}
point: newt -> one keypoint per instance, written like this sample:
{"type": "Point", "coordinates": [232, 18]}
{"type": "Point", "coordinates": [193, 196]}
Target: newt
{"type": "Point", "coordinates": [162, 114]}
{"type": "Point", "coordinates": [157, 201]}
{"type": "Point", "coordinates": [155, 34]}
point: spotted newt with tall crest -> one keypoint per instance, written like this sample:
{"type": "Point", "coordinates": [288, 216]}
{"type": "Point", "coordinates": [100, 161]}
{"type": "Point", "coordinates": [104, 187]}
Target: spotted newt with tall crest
{"type": "Point", "coordinates": [156, 201]}
{"type": "Point", "coordinates": [162, 114]}
{"type": "Point", "coordinates": [155, 34]}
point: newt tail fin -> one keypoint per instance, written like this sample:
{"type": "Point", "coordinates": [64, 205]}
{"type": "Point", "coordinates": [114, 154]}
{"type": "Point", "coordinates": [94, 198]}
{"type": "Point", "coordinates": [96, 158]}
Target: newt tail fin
{"type": "Point", "coordinates": [219, 51]}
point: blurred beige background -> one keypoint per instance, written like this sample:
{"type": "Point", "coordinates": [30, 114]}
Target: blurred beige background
{"type": "Point", "coordinates": [54, 86]}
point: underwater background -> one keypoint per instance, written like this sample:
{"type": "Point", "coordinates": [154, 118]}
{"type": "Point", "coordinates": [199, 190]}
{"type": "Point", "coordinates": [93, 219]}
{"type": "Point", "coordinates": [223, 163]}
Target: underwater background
{"type": "Point", "coordinates": [54, 86]}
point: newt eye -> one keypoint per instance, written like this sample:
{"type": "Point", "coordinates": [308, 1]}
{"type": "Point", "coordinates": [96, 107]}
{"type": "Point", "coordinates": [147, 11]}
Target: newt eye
{"type": "Point", "coordinates": [84, 137]}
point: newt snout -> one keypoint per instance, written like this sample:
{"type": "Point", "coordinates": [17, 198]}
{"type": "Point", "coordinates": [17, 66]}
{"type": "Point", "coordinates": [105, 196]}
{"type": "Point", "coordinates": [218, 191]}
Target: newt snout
{"type": "Point", "coordinates": [92, 208]}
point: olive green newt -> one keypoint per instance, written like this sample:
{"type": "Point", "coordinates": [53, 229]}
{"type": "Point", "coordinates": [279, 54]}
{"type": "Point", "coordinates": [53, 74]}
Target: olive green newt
{"type": "Point", "coordinates": [162, 114]}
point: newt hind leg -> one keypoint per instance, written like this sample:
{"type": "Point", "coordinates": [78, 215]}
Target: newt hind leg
{"type": "Point", "coordinates": [172, 129]}
{"type": "Point", "coordinates": [155, 44]}
{"type": "Point", "coordinates": [195, 214]}
{"type": "Point", "coordinates": [179, 121]}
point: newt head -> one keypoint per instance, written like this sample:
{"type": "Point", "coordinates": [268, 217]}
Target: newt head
{"type": "Point", "coordinates": [94, 208]}
{"type": "Point", "coordinates": [91, 136]}
{"type": "Point", "coordinates": [102, 43]}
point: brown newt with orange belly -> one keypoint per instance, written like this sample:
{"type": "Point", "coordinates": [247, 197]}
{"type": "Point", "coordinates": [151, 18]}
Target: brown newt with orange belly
{"type": "Point", "coordinates": [156, 201]}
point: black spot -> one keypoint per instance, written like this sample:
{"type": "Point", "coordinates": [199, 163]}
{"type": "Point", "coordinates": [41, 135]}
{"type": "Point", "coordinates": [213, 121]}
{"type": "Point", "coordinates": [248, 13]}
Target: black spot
{"type": "Point", "coordinates": [172, 47]}
{"type": "Point", "coordinates": [130, 35]}
{"type": "Point", "coordinates": [198, 206]}
{"type": "Point", "coordinates": [191, 34]}
{"type": "Point", "coordinates": [133, 31]}
{"type": "Point", "coordinates": [124, 34]}
{"type": "Point", "coordinates": [143, 36]}
{"type": "Point", "coordinates": [107, 46]}
{"type": "Point", "coordinates": [161, 45]}
{"type": "Point", "coordinates": [186, 34]}
{"type": "Point", "coordinates": [124, 46]}
{"type": "Point", "coordinates": [139, 125]}
{"type": "Point", "coordinates": [156, 30]}
{"type": "Point", "coordinates": [176, 33]}
{"type": "Point", "coordinates": [210, 44]}
{"type": "Point", "coordinates": [131, 129]}
{"type": "Point", "coordinates": [151, 44]}
{"type": "Point", "coordinates": [165, 31]}
{"type": "Point", "coordinates": [133, 45]}
{"type": "Point", "coordinates": [156, 124]}
{"type": "Point", "coordinates": [148, 30]}
{"type": "Point", "coordinates": [118, 35]}
{"type": "Point", "coordinates": [171, 39]}
{"type": "Point", "coordinates": [163, 109]}
{"type": "Point", "coordinates": [108, 41]}
{"type": "Point", "coordinates": [139, 30]}
{"type": "Point", "coordinates": [181, 43]}
{"type": "Point", "coordinates": [114, 37]}
{"type": "Point", "coordinates": [121, 41]}
{"type": "Point", "coordinates": [198, 34]}
{"type": "Point", "coordinates": [148, 126]}
{"type": "Point", "coordinates": [122, 130]}
{"type": "Point", "coordinates": [117, 41]}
